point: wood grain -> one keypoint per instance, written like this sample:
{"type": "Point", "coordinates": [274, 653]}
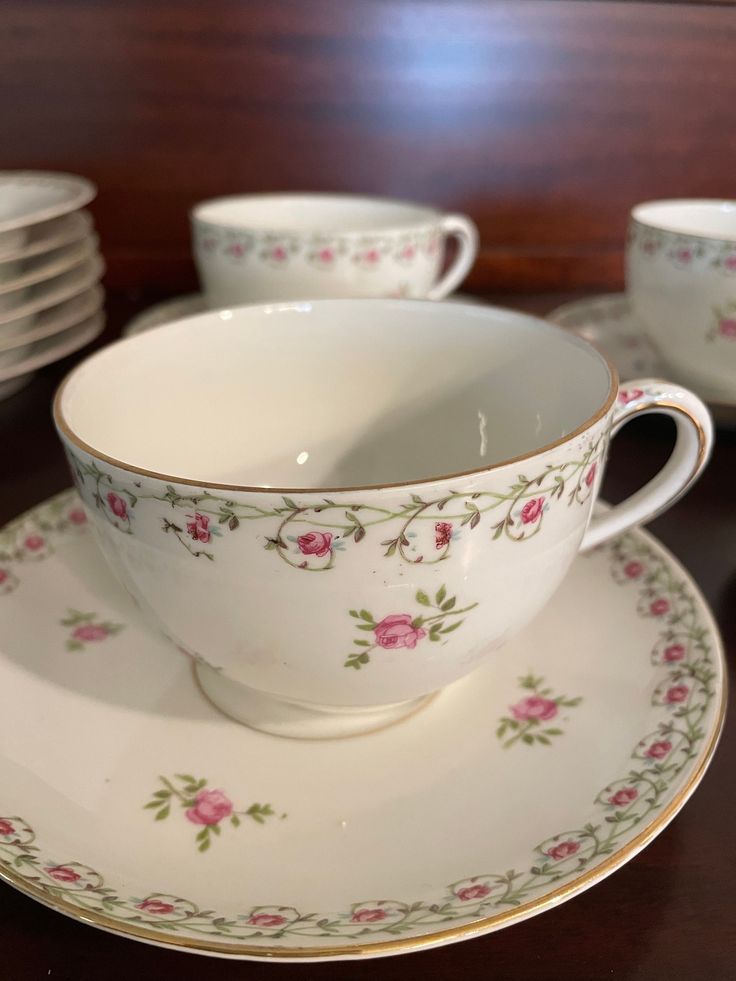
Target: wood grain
{"type": "Point", "coordinates": [544, 120]}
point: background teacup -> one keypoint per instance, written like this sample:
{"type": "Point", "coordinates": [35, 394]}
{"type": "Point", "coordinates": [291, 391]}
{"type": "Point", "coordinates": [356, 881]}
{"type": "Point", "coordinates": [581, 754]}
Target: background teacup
{"type": "Point", "coordinates": [681, 280]}
{"type": "Point", "coordinates": [337, 523]}
{"type": "Point", "coordinates": [258, 248]}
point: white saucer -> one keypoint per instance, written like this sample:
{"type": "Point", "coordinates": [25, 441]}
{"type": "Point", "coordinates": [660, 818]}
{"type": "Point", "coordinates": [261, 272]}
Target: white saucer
{"type": "Point", "coordinates": [608, 323]}
{"type": "Point", "coordinates": [41, 296]}
{"type": "Point", "coordinates": [18, 273]}
{"type": "Point", "coordinates": [48, 235]}
{"type": "Point", "coordinates": [28, 197]}
{"type": "Point", "coordinates": [18, 371]}
{"type": "Point", "coordinates": [129, 803]}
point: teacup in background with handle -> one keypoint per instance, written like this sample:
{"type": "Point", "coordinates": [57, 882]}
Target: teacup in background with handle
{"type": "Point", "coordinates": [337, 523]}
{"type": "Point", "coordinates": [266, 247]}
{"type": "Point", "coordinates": [681, 280]}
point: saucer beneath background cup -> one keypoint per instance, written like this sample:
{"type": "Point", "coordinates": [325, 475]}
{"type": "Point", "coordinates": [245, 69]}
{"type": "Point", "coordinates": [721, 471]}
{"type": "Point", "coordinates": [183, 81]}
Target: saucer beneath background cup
{"type": "Point", "coordinates": [607, 322]}
{"type": "Point", "coordinates": [152, 816]}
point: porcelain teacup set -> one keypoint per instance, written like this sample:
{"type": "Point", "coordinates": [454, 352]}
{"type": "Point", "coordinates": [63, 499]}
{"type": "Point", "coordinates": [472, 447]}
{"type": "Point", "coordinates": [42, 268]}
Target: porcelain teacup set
{"type": "Point", "coordinates": [353, 516]}
{"type": "Point", "coordinates": [679, 312]}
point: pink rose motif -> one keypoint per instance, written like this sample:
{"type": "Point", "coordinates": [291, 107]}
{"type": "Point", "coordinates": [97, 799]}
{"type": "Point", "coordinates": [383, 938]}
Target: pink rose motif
{"type": "Point", "coordinates": [590, 475]}
{"type": "Point", "coordinates": [155, 906]}
{"type": "Point", "coordinates": [33, 543]}
{"type": "Point", "coordinates": [326, 255]}
{"type": "Point", "coordinates": [658, 750]}
{"type": "Point", "coordinates": [532, 510]}
{"type": "Point", "coordinates": [730, 262]}
{"type": "Point", "coordinates": [266, 919]}
{"type": "Point", "coordinates": [90, 631]}
{"type": "Point", "coordinates": [118, 506]}
{"type": "Point", "coordinates": [563, 850]}
{"type": "Point", "coordinates": [625, 396]}
{"type": "Point", "coordinates": [210, 807]}
{"type": "Point", "coordinates": [372, 256]}
{"type": "Point", "coordinates": [6, 828]}
{"type": "Point", "coordinates": [408, 252]}
{"type": "Point", "coordinates": [442, 534]}
{"type": "Point", "coordinates": [675, 652]}
{"type": "Point", "coordinates": [659, 607]}
{"type": "Point", "coordinates": [63, 873]}
{"type": "Point", "coordinates": [317, 543]}
{"type": "Point", "coordinates": [727, 327]}
{"type": "Point", "coordinates": [198, 527]}
{"type": "Point", "coordinates": [678, 693]}
{"type": "Point", "coordinates": [3, 576]}
{"type": "Point", "coordinates": [623, 797]}
{"type": "Point", "coordinates": [396, 630]}
{"type": "Point", "coordinates": [278, 254]}
{"type": "Point", "coordinates": [466, 893]}
{"type": "Point", "coordinates": [237, 250]}
{"type": "Point", "coordinates": [534, 707]}
{"type": "Point", "coordinates": [683, 255]}
{"type": "Point", "coordinates": [632, 570]}
{"type": "Point", "coordinates": [77, 516]}
{"type": "Point", "coordinates": [368, 915]}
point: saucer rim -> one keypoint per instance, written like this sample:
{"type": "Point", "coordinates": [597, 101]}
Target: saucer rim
{"type": "Point", "coordinates": [475, 928]}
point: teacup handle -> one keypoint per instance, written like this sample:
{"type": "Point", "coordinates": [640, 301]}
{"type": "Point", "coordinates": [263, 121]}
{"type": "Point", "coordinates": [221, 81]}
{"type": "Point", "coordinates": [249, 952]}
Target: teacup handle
{"type": "Point", "coordinates": [692, 448]}
{"type": "Point", "coordinates": [466, 234]}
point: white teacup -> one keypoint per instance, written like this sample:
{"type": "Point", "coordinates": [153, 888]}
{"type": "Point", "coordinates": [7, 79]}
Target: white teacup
{"type": "Point", "coordinates": [264, 247]}
{"type": "Point", "coordinates": [681, 279]}
{"type": "Point", "coordinates": [337, 523]}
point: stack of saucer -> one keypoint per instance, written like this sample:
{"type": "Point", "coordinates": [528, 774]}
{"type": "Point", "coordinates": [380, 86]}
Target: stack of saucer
{"type": "Point", "coordinates": [50, 300]}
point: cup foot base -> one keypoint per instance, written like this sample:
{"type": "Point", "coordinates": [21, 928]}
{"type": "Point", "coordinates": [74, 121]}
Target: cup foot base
{"type": "Point", "coordinates": [298, 720]}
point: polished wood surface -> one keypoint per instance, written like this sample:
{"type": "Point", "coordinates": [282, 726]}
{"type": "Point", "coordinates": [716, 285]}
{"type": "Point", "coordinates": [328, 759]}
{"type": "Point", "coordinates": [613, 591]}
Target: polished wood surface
{"type": "Point", "coordinates": [543, 120]}
{"type": "Point", "coordinates": [669, 913]}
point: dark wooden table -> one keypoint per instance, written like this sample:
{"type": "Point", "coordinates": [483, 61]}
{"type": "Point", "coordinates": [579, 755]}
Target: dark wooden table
{"type": "Point", "coordinates": [671, 912]}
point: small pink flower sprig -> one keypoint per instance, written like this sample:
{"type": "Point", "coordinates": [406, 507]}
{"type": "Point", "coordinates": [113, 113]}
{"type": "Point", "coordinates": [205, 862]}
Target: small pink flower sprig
{"type": "Point", "coordinates": [528, 717]}
{"type": "Point", "coordinates": [208, 808]}
{"type": "Point", "coordinates": [86, 628]}
{"type": "Point", "coordinates": [402, 630]}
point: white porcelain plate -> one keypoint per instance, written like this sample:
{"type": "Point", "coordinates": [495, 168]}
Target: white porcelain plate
{"type": "Point", "coordinates": [48, 235]}
{"type": "Point", "coordinates": [608, 323]}
{"type": "Point", "coordinates": [28, 197]}
{"type": "Point", "coordinates": [17, 371]}
{"type": "Point", "coordinates": [129, 803]}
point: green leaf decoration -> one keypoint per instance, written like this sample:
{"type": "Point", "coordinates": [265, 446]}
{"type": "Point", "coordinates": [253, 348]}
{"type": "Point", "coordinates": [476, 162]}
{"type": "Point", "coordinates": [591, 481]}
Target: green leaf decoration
{"type": "Point", "coordinates": [290, 504]}
{"type": "Point", "coordinates": [453, 626]}
{"type": "Point", "coordinates": [422, 598]}
{"type": "Point", "coordinates": [448, 604]}
{"type": "Point", "coordinates": [441, 593]}
{"type": "Point", "coordinates": [163, 814]}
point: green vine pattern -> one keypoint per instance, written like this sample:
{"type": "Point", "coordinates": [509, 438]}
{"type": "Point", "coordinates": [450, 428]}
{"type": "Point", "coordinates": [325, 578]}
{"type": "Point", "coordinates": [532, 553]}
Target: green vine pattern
{"type": "Point", "coordinates": [683, 251]}
{"type": "Point", "coordinates": [310, 537]}
{"type": "Point", "coordinates": [683, 696]}
{"type": "Point", "coordinates": [322, 251]}
{"type": "Point", "coordinates": [404, 631]}
{"type": "Point", "coordinates": [33, 537]}
{"type": "Point", "coordinates": [528, 718]}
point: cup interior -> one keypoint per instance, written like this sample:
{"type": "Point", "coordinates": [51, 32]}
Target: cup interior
{"type": "Point", "coordinates": [700, 217]}
{"type": "Point", "coordinates": [313, 213]}
{"type": "Point", "coordinates": [333, 394]}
